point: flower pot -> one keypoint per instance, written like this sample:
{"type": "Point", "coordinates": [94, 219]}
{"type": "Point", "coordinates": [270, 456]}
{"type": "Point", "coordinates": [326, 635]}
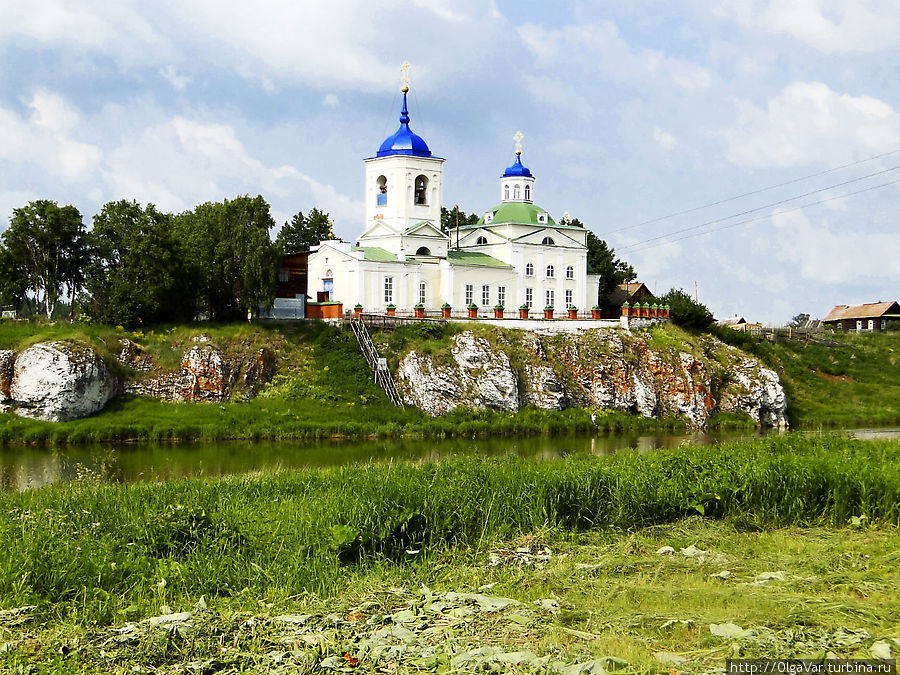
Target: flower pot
{"type": "Point", "coordinates": [357, 311]}
{"type": "Point", "coordinates": [596, 313]}
{"type": "Point", "coordinates": [391, 311]}
{"type": "Point", "coordinates": [548, 313]}
{"type": "Point", "coordinates": [419, 312]}
{"type": "Point", "coordinates": [523, 313]}
{"type": "Point", "coordinates": [573, 313]}
{"type": "Point", "coordinates": [498, 313]}
{"type": "Point", "coordinates": [473, 312]}
{"type": "Point", "coordinates": [445, 312]}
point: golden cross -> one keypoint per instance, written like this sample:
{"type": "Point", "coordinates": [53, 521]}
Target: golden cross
{"type": "Point", "coordinates": [331, 228]}
{"type": "Point", "coordinates": [566, 217]}
{"type": "Point", "coordinates": [404, 78]}
{"type": "Point", "coordinates": [518, 139]}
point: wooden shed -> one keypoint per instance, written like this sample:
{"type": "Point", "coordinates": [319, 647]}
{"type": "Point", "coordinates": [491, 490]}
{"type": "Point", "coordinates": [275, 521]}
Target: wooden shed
{"type": "Point", "coordinates": [631, 293]}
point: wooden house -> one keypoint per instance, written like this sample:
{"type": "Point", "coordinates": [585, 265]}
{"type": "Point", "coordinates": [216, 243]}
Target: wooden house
{"type": "Point", "coordinates": [872, 316]}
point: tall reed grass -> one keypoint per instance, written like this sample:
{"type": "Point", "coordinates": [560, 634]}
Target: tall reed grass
{"type": "Point", "coordinates": [97, 552]}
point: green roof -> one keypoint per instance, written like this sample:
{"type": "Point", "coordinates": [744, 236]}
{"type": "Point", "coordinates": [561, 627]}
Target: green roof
{"type": "Point", "coordinates": [376, 253]}
{"type": "Point", "coordinates": [522, 213]}
{"type": "Point", "coordinates": [473, 258]}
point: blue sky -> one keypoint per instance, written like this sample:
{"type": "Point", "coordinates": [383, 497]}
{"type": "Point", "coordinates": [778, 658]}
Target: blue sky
{"type": "Point", "coordinates": [631, 110]}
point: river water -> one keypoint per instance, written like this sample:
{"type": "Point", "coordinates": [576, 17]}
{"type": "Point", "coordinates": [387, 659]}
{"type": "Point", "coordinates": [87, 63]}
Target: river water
{"type": "Point", "coordinates": [31, 467]}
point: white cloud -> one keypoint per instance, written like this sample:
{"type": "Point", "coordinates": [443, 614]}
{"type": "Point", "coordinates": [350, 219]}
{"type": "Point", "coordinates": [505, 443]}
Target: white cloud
{"type": "Point", "coordinates": [664, 139]}
{"type": "Point", "coordinates": [45, 138]}
{"type": "Point", "coordinates": [807, 122]}
{"type": "Point", "coordinates": [178, 82]}
{"type": "Point", "coordinates": [598, 50]}
{"type": "Point", "coordinates": [830, 26]}
{"type": "Point", "coordinates": [330, 100]}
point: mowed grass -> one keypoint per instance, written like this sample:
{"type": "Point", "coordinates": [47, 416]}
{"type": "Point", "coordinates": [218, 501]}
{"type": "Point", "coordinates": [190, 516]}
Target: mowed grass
{"type": "Point", "coordinates": [96, 553]}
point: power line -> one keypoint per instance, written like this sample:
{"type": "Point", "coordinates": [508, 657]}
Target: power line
{"type": "Point", "coordinates": [765, 206]}
{"type": "Point", "coordinates": [748, 194]}
{"type": "Point", "coordinates": [758, 218]}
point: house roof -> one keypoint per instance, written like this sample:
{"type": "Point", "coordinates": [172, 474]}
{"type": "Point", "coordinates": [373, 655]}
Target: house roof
{"type": "Point", "coordinates": [627, 292]}
{"type": "Point", "coordinates": [869, 310]}
{"type": "Point", "coordinates": [731, 320]}
{"type": "Point", "coordinates": [376, 253]}
{"type": "Point", "coordinates": [473, 258]}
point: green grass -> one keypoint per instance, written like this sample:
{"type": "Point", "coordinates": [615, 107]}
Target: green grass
{"type": "Point", "coordinates": [91, 551]}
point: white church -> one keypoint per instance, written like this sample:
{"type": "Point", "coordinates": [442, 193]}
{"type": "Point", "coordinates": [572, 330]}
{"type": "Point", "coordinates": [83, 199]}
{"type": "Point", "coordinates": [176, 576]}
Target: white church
{"type": "Point", "coordinates": [515, 255]}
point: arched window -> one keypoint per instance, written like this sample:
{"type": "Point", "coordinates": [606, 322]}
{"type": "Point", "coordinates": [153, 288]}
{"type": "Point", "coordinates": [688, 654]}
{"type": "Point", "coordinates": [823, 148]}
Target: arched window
{"type": "Point", "coordinates": [570, 272]}
{"type": "Point", "coordinates": [381, 191]}
{"type": "Point", "coordinates": [423, 250]}
{"type": "Point", "coordinates": [505, 192]}
{"type": "Point", "coordinates": [421, 191]}
{"type": "Point", "coordinates": [481, 241]}
{"type": "Point", "coordinates": [527, 193]}
{"type": "Point", "coordinates": [548, 241]}
{"type": "Point", "coordinates": [517, 192]}
{"type": "Point", "coordinates": [550, 271]}
{"type": "Point", "coordinates": [529, 270]}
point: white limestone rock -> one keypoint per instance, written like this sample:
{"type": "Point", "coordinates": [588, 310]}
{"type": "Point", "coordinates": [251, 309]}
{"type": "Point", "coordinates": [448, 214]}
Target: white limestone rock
{"type": "Point", "coordinates": [60, 381]}
{"type": "Point", "coordinates": [756, 391]}
{"type": "Point", "coordinates": [543, 388]}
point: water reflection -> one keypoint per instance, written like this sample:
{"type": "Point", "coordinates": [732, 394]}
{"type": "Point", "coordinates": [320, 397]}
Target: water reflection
{"type": "Point", "coordinates": [24, 468]}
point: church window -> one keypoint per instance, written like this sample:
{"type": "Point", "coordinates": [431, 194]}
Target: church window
{"type": "Point", "coordinates": [551, 298]}
{"type": "Point", "coordinates": [488, 218]}
{"type": "Point", "coordinates": [505, 192]}
{"type": "Point", "coordinates": [481, 241]}
{"type": "Point", "coordinates": [542, 217]}
{"type": "Point", "coordinates": [570, 272]}
{"type": "Point", "coordinates": [423, 250]}
{"type": "Point", "coordinates": [529, 297]}
{"type": "Point", "coordinates": [381, 193]}
{"type": "Point", "coordinates": [568, 298]}
{"type": "Point", "coordinates": [485, 296]}
{"type": "Point", "coordinates": [470, 294]}
{"type": "Point", "coordinates": [517, 192]}
{"type": "Point", "coordinates": [550, 272]}
{"type": "Point", "coordinates": [422, 292]}
{"type": "Point", "coordinates": [501, 295]}
{"type": "Point", "coordinates": [548, 241]}
{"type": "Point", "coordinates": [421, 193]}
{"type": "Point", "coordinates": [529, 270]}
{"type": "Point", "coordinates": [388, 290]}
{"type": "Point", "coordinates": [527, 193]}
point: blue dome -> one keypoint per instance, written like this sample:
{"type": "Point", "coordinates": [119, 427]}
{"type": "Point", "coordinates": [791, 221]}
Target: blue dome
{"type": "Point", "coordinates": [517, 169]}
{"type": "Point", "coordinates": [404, 141]}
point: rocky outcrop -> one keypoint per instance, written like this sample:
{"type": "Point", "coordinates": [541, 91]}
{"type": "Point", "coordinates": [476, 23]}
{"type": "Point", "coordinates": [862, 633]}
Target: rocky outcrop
{"type": "Point", "coordinates": [205, 374]}
{"type": "Point", "coordinates": [597, 369]}
{"type": "Point", "coordinates": [59, 381]}
{"type": "Point", "coordinates": [7, 364]}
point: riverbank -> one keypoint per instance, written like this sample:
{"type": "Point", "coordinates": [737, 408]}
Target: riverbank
{"type": "Point", "coordinates": [321, 387]}
{"type": "Point", "coordinates": [805, 527]}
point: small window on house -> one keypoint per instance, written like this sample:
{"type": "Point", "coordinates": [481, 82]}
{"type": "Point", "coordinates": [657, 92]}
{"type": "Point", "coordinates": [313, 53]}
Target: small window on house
{"type": "Point", "coordinates": [481, 241]}
{"type": "Point", "coordinates": [505, 192]}
{"type": "Point", "coordinates": [551, 299]}
{"type": "Point", "coordinates": [548, 241]}
{"type": "Point", "coordinates": [550, 272]}
{"type": "Point", "coordinates": [388, 290]}
{"type": "Point", "coordinates": [529, 297]}
{"type": "Point", "coordinates": [529, 270]}
{"type": "Point", "coordinates": [568, 298]}
{"type": "Point", "coordinates": [527, 193]}
{"type": "Point", "coordinates": [488, 218]}
{"type": "Point", "coordinates": [422, 292]}
{"type": "Point", "coordinates": [485, 296]}
{"type": "Point", "coordinates": [871, 324]}
{"type": "Point", "coordinates": [501, 295]}
{"type": "Point", "coordinates": [381, 191]}
{"type": "Point", "coordinates": [542, 217]}
{"type": "Point", "coordinates": [421, 191]}
{"type": "Point", "coordinates": [470, 294]}
{"type": "Point", "coordinates": [517, 192]}
{"type": "Point", "coordinates": [570, 272]}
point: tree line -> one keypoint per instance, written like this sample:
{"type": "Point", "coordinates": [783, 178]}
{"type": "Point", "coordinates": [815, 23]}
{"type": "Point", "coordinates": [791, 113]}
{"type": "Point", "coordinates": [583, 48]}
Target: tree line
{"type": "Point", "coordinates": [139, 265]}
